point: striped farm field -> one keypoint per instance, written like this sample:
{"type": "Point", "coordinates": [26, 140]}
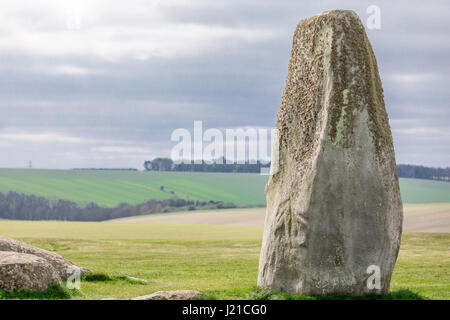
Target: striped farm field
{"type": "Point", "coordinates": [110, 188]}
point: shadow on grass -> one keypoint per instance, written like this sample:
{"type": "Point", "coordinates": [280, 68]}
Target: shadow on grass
{"type": "Point", "coordinates": [264, 294]}
{"type": "Point", "coordinates": [102, 277]}
{"type": "Point", "coordinates": [54, 292]}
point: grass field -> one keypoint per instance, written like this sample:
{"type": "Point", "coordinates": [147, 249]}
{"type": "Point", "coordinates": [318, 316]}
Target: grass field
{"type": "Point", "coordinates": [424, 191]}
{"type": "Point", "coordinates": [109, 188]}
{"type": "Point", "coordinates": [218, 260]}
{"type": "Point", "coordinates": [422, 217]}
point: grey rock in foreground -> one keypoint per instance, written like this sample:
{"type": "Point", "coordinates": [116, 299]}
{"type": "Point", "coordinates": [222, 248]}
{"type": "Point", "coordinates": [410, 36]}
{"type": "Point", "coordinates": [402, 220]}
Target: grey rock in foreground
{"type": "Point", "coordinates": [333, 200]}
{"type": "Point", "coordinates": [63, 266]}
{"type": "Point", "coordinates": [172, 295]}
{"type": "Point", "coordinates": [22, 271]}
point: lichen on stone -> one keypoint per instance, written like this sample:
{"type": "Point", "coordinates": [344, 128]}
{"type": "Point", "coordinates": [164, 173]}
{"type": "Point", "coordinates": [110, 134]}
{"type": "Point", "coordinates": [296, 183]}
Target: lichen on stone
{"type": "Point", "coordinates": [334, 201]}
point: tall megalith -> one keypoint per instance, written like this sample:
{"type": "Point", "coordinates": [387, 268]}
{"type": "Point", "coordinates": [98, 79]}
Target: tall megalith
{"type": "Point", "coordinates": [334, 212]}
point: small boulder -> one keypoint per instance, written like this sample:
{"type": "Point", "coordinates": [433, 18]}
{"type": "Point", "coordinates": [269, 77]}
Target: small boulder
{"type": "Point", "coordinates": [22, 271]}
{"type": "Point", "coordinates": [172, 295]}
{"type": "Point", "coordinates": [63, 266]}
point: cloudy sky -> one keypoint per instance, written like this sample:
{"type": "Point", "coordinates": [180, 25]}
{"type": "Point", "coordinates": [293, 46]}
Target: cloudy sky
{"type": "Point", "coordinates": [104, 83]}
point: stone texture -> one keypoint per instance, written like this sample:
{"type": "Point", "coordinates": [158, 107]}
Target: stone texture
{"type": "Point", "coordinates": [172, 295]}
{"type": "Point", "coordinates": [334, 206]}
{"type": "Point", "coordinates": [62, 266]}
{"type": "Point", "coordinates": [22, 271]}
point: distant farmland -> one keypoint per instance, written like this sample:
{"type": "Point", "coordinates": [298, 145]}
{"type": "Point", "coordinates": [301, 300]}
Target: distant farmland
{"type": "Point", "coordinates": [109, 188]}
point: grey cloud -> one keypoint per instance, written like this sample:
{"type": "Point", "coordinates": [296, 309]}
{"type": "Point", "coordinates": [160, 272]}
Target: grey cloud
{"type": "Point", "coordinates": [232, 82]}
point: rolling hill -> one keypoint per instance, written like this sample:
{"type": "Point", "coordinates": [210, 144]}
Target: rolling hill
{"type": "Point", "coordinates": [110, 188]}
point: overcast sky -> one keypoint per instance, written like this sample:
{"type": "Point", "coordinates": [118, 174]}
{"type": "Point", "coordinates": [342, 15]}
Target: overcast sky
{"type": "Point", "coordinates": [104, 83]}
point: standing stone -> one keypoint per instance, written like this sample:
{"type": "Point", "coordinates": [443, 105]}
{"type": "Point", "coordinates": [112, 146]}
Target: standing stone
{"type": "Point", "coordinates": [333, 207]}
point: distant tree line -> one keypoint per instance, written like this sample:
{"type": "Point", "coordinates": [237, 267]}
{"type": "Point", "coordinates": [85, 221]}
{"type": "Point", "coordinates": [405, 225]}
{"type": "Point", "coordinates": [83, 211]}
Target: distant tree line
{"type": "Point", "coordinates": [166, 164]}
{"type": "Point", "coordinates": [17, 206]}
{"type": "Point", "coordinates": [220, 165]}
{"type": "Point", "coordinates": [421, 172]}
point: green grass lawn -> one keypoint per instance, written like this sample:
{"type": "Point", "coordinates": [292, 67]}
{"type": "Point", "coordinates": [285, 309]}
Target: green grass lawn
{"type": "Point", "coordinates": [220, 261]}
{"type": "Point", "coordinates": [109, 188]}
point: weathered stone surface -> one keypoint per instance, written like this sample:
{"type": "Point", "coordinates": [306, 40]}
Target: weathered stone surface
{"type": "Point", "coordinates": [22, 271]}
{"type": "Point", "coordinates": [333, 206]}
{"type": "Point", "coordinates": [63, 266]}
{"type": "Point", "coordinates": [172, 295]}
